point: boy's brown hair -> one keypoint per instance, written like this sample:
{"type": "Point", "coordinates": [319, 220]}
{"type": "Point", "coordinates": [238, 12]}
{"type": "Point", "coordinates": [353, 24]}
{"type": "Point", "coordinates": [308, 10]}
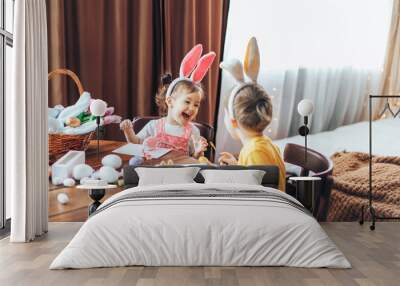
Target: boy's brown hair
{"type": "Point", "coordinates": [252, 108]}
{"type": "Point", "coordinates": [187, 86]}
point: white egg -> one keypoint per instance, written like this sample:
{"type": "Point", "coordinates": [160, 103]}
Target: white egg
{"type": "Point", "coordinates": [62, 198]}
{"type": "Point", "coordinates": [68, 182]}
{"type": "Point", "coordinates": [112, 160]}
{"type": "Point", "coordinates": [82, 170]}
{"type": "Point", "coordinates": [108, 174]}
{"type": "Point", "coordinates": [57, 181]}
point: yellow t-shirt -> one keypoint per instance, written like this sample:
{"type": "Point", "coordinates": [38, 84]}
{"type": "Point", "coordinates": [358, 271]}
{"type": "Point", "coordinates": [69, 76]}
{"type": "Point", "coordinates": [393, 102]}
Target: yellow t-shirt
{"type": "Point", "coordinates": [261, 151]}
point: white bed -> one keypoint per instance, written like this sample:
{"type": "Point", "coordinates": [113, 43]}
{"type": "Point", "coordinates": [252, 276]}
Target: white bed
{"type": "Point", "coordinates": [206, 230]}
{"type": "Point", "coordinates": [354, 138]}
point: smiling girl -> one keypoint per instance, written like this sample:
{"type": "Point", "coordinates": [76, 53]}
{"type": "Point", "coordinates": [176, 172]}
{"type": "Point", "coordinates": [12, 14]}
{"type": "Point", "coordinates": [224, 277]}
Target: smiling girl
{"type": "Point", "coordinates": [179, 102]}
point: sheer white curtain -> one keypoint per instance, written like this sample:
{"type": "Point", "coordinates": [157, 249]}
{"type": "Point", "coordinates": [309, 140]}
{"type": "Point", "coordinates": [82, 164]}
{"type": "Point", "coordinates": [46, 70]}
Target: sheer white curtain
{"type": "Point", "coordinates": [26, 130]}
{"type": "Point", "coordinates": [329, 51]}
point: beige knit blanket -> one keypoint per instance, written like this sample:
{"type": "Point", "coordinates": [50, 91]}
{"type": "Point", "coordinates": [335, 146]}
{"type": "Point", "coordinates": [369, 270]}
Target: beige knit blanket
{"type": "Point", "coordinates": [350, 186]}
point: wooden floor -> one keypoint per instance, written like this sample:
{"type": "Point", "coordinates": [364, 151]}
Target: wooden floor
{"type": "Point", "coordinates": [375, 257]}
{"type": "Point", "coordinates": [76, 210]}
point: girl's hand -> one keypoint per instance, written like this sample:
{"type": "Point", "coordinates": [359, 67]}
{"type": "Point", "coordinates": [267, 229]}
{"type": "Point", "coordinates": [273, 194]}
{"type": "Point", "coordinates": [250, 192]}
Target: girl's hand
{"type": "Point", "coordinates": [200, 146]}
{"type": "Point", "coordinates": [227, 158]}
{"type": "Point", "coordinates": [126, 125]}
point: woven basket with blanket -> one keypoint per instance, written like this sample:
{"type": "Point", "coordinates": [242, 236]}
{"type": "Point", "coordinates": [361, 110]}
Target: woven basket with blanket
{"type": "Point", "coordinates": [350, 186]}
{"type": "Point", "coordinates": [60, 143]}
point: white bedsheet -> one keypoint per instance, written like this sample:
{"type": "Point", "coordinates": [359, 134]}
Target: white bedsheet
{"type": "Point", "coordinates": [205, 231]}
{"type": "Point", "coordinates": [354, 138]}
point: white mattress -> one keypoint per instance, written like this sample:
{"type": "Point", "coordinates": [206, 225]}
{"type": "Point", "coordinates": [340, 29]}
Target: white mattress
{"type": "Point", "coordinates": [354, 138]}
{"type": "Point", "coordinates": [201, 231]}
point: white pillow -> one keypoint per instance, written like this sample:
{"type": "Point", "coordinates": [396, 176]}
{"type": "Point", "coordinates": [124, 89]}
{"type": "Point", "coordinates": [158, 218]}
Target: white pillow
{"type": "Point", "coordinates": [248, 177]}
{"type": "Point", "coordinates": [165, 176]}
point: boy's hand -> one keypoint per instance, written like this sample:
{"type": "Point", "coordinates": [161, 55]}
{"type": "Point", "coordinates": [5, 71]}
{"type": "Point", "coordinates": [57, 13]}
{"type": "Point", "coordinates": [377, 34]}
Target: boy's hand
{"type": "Point", "coordinates": [126, 125]}
{"type": "Point", "coordinates": [227, 158]}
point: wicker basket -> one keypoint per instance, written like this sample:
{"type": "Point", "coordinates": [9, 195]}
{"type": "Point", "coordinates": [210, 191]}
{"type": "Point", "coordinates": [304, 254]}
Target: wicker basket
{"type": "Point", "coordinates": [60, 143]}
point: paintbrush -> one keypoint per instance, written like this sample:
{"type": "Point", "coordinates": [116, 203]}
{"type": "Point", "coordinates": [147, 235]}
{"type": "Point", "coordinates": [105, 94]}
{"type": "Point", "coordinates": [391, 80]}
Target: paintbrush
{"type": "Point", "coordinates": [213, 146]}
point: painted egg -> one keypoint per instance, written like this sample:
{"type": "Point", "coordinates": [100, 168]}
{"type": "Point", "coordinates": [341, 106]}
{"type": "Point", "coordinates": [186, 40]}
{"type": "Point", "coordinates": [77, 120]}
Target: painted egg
{"type": "Point", "coordinates": [82, 170]}
{"type": "Point", "coordinates": [68, 182]}
{"type": "Point", "coordinates": [112, 160]}
{"type": "Point", "coordinates": [73, 122]}
{"type": "Point", "coordinates": [62, 198]}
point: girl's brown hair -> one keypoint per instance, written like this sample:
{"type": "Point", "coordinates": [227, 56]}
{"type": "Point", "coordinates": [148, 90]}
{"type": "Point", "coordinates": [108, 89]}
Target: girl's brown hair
{"type": "Point", "coordinates": [253, 108]}
{"type": "Point", "coordinates": [185, 85]}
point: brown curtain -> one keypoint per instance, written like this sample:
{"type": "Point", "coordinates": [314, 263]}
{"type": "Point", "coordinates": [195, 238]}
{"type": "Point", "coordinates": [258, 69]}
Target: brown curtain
{"type": "Point", "coordinates": [119, 49]}
{"type": "Point", "coordinates": [189, 22]}
{"type": "Point", "coordinates": [113, 46]}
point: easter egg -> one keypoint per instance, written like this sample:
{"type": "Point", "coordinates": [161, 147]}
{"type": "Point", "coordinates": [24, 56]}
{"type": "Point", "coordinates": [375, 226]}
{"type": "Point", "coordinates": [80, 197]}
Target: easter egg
{"type": "Point", "coordinates": [62, 198]}
{"type": "Point", "coordinates": [108, 174]}
{"type": "Point", "coordinates": [68, 182]}
{"type": "Point", "coordinates": [112, 160]}
{"type": "Point", "coordinates": [73, 122]}
{"type": "Point", "coordinates": [82, 170]}
{"type": "Point", "coordinates": [57, 181]}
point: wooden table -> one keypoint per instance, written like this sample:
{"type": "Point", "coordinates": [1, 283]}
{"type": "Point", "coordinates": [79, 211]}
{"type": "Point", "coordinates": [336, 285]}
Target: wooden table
{"type": "Point", "coordinates": [176, 157]}
{"type": "Point", "coordinates": [106, 148]}
{"type": "Point", "coordinates": [76, 208]}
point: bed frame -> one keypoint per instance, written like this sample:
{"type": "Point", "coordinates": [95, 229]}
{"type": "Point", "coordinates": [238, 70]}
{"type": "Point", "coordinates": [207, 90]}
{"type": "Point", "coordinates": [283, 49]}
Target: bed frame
{"type": "Point", "coordinates": [270, 179]}
{"type": "Point", "coordinates": [395, 114]}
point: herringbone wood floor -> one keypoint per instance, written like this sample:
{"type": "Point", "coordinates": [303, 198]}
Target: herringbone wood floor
{"type": "Point", "coordinates": [375, 257]}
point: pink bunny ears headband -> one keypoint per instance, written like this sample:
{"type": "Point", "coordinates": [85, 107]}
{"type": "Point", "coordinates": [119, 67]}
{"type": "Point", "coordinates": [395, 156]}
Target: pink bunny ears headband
{"type": "Point", "coordinates": [234, 68]}
{"type": "Point", "coordinates": [193, 67]}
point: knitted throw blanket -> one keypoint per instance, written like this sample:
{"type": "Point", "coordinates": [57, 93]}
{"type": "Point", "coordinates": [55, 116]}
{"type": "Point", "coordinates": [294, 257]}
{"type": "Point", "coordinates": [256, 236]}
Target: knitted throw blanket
{"type": "Point", "coordinates": [350, 186]}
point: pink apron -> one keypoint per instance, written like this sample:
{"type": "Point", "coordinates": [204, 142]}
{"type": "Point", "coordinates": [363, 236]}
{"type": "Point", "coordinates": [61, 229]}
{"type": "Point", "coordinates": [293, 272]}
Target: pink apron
{"type": "Point", "coordinates": [163, 140]}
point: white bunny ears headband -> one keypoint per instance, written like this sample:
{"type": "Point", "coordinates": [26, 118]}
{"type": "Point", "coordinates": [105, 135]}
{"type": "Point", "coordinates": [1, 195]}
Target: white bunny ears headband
{"type": "Point", "coordinates": [235, 68]}
{"type": "Point", "coordinates": [193, 67]}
